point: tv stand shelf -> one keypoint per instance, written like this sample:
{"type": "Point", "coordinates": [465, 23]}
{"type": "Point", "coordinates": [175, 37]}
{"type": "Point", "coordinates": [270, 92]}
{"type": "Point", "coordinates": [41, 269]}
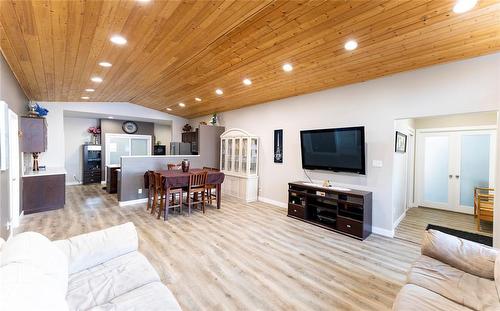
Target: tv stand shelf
{"type": "Point", "coordinates": [346, 212]}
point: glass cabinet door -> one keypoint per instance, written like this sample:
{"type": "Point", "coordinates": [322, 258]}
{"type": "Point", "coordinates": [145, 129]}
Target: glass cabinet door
{"type": "Point", "coordinates": [253, 156]}
{"type": "Point", "coordinates": [223, 155]}
{"type": "Point", "coordinates": [229, 154]}
{"type": "Point", "coordinates": [244, 154]}
{"type": "Point", "coordinates": [236, 154]}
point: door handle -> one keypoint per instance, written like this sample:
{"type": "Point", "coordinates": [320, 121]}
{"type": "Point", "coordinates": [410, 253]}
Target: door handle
{"type": "Point", "coordinates": [457, 176]}
{"type": "Point", "coordinates": [450, 176]}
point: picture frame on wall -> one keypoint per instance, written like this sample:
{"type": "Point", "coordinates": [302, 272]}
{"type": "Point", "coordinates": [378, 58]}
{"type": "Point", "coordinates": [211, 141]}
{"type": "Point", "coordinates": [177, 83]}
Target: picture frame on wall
{"type": "Point", "coordinates": [400, 144]}
{"type": "Point", "coordinates": [278, 146]}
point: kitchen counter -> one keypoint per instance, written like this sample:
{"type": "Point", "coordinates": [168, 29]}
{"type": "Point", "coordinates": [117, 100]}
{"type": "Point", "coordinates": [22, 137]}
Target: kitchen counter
{"type": "Point", "coordinates": [48, 171]}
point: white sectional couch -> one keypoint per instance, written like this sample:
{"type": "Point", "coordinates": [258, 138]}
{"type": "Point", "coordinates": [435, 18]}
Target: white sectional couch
{"type": "Point", "coordinates": [452, 275]}
{"type": "Point", "coordinates": [98, 271]}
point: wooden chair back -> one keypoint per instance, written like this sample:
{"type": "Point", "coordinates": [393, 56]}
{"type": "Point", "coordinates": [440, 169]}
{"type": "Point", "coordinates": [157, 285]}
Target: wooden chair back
{"type": "Point", "coordinates": [206, 168]}
{"type": "Point", "coordinates": [151, 188]}
{"type": "Point", "coordinates": [171, 166]}
{"type": "Point", "coordinates": [198, 180]}
{"type": "Point", "coordinates": [477, 192]}
{"type": "Point", "coordinates": [485, 206]}
{"type": "Point", "coordinates": [158, 181]}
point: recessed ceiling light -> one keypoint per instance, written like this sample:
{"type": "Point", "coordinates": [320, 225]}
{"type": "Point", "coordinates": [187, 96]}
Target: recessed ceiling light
{"type": "Point", "coordinates": [463, 6]}
{"type": "Point", "coordinates": [85, 97]}
{"type": "Point", "coordinates": [182, 105]}
{"type": "Point", "coordinates": [96, 79]}
{"type": "Point", "coordinates": [89, 90]}
{"type": "Point", "coordinates": [105, 64]}
{"type": "Point", "coordinates": [143, 1]}
{"type": "Point", "coordinates": [110, 117]}
{"type": "Point", "coordinates": [350, 45]}
{"type": "Point", "coordinates": [169, 109]}
{"type": "Point", "coordinates": [219, 92]}
{"type": "Point", "coordinates": [197, 99]}
{"type": "Point", "coordinates": [247, 81]}
{"type": "Point", "coordinates": [287, 67]}
{"type": "Point", "coordinates": [116, 39]}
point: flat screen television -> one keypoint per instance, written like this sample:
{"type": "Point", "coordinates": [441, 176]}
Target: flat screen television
{"type": "Point", "coordinates": [338, 149]}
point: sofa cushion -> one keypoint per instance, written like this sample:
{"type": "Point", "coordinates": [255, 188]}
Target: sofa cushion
{"type": "Point", "coordinates": [102, 283]}
{"type": "Point", "coordinates": [91, 249]}
{"type": "Point", "coordinates": [31, 248]}
{"type": "Point", "coordinates": [152, 297]}
{"type": "Point", "coordinates": [416, 298]}
{"type": "Point", "coordinates": [27, 288]}
{"type": "Point", "coordinates": [462, 254]}
{"type": "Point", "coordinates": [461, 287]}
{"type": "Point", "coordinates": [497, 275]}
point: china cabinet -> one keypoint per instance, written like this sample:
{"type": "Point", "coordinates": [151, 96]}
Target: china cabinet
{"type": "Point", "coordinates": [239, 159]}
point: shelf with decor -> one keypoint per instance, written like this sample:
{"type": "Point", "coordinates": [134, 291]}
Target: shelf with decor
{"type": "Point", "coordinates": [239, 156]}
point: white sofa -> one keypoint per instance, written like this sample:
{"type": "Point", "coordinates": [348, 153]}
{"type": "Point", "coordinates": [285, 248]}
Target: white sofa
{"type": "Point", "coordinates": [452, 274]}
{"type": "Point", "coordinates": [98, 271]}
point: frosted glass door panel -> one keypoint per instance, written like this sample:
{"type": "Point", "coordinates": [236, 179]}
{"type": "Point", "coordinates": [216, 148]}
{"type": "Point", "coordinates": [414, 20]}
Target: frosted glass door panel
{"type": "Point", "coordinates": [436, 168]}
{"type": "Point", "coordinates": [223, 156]}
{"type": "Point", "coordinates": [474, 166]}
{"type": "Point", "coordinates": [117, 147]}
{"type": "Point", "coordinates": [139, 147]}
{"type": "Point", "coordinates": [229, 154]}
{"type": "Point", "coordinates": [237, 155]}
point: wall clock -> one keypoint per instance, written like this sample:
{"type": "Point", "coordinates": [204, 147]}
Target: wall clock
{"type": "Point", "coordinates": [129, 127]}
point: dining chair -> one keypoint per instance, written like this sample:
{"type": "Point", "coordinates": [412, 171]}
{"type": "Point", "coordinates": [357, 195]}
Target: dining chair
{"type": "Point", "coordinates": [196, 187]}
{"type": "Point", "coordinates": [485, 206]}
{"type": "Point", "coordinates": [151, 189]}
{"type": "Point", "coordinates": [210, 187]}
{"type": "Point", "coordinates": [160, 190]}
{"type": "Point", "coordinates": [477, 191]}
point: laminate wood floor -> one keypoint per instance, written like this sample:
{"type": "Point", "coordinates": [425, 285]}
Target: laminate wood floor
{"type": "Point", "coordinates": [245, 256]}
{"type": "Point", "coordinates": [413, 225]}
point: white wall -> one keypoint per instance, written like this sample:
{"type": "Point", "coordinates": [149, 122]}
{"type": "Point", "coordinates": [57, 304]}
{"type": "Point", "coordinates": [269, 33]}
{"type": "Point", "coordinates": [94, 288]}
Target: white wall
{"type": "Point", "coordinates": [163, 133]}
{"type": "Point", "coordinates": [75, 134]}
{"type": "Point", "coordinates": [55, 154]}
{"type": "Point", "coordinates": [457, 120]}
{"type": "Point", "coordinates": [460, 87]}
{"type": "Point", "coordinates": [400, 171]}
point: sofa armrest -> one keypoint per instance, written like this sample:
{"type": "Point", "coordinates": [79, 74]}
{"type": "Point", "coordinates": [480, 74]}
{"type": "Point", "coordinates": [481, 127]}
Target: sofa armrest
{"type": "Point", "coordinates": [468, 256]}
{"type": "Point", "coordinates": [91, 249]}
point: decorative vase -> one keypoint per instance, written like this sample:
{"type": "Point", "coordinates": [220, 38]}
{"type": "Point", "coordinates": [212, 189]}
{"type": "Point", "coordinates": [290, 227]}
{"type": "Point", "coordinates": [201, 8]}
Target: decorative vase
{"type": "Point", "coordinates": [185, 165]}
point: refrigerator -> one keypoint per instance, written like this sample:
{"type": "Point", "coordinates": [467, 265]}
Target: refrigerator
{"type": "Point", "coordinates": [177, 148]}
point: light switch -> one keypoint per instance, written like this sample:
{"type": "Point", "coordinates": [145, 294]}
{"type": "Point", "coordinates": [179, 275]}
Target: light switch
{"type": "Point", "coordinates": [377, 163]}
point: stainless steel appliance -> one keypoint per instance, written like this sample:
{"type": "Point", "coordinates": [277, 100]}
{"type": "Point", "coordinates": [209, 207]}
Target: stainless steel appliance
{"type": "Point", "coordinates": [180, 148]}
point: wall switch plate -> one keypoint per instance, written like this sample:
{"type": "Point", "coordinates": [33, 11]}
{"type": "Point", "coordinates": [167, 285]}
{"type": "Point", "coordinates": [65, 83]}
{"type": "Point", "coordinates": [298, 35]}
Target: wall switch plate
{"type": "Point", "coordinates": [377, 163]}
{"type": "Point", "coordinates": [139, 191]}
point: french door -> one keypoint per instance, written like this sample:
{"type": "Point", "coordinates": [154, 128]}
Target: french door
{"type": "Point", "coordinates": [450, 164]}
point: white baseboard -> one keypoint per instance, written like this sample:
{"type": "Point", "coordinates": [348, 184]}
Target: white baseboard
{"type": "Point", "coordinates": [73, 183]}
{"type": "Point", "coordinates": [384, 232]}
{"type": "Point", "coordinates": [396, 223]}
{"type": "Point", "coordinates": [272, 202]}
{"type": "Point", "coordinates": [132, 202]}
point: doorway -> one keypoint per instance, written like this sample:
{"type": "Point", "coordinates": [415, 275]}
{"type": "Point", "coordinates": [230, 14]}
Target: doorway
{"type": "Point", "coordinates": [451, 163]}
{"type": "Point", "coordinates": [14, 180]}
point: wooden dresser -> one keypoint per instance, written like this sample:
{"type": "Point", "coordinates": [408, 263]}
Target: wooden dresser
{"type": "Point", "coordinates": [347, 211]}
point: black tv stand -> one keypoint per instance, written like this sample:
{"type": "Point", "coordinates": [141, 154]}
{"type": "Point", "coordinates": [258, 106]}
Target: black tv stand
{"type": "Point", "coordinates": [346, 212]}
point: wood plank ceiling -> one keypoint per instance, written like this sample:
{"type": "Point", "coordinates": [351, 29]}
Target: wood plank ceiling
{"type": "Point", "coordinates": [179, 50]}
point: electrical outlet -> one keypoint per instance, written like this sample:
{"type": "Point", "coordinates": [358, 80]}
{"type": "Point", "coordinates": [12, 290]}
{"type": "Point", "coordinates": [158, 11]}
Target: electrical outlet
{"type": "Point", "coordinates": [377, 163]}
{"type": "Point", "coordinates": [139, 191]}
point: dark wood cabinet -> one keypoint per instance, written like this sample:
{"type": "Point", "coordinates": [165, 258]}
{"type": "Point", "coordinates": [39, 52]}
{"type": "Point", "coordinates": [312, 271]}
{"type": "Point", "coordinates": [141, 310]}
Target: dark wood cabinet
{"type": "Point", "coordinates": [112, 178]}
{"type": "Point", "coordinates": [91, 166]}
{"type": "Point", "coordinates": [43, 193]}
{"type": "Point", "coordinates": [346, 212]}
{"type": "Point", "coordinates": [193, 139]}
{"type": "Point", "coordinates": [33, 135]}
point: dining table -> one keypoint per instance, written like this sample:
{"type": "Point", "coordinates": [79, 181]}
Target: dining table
{"type": "Point", "coordinates": [179, 179]}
